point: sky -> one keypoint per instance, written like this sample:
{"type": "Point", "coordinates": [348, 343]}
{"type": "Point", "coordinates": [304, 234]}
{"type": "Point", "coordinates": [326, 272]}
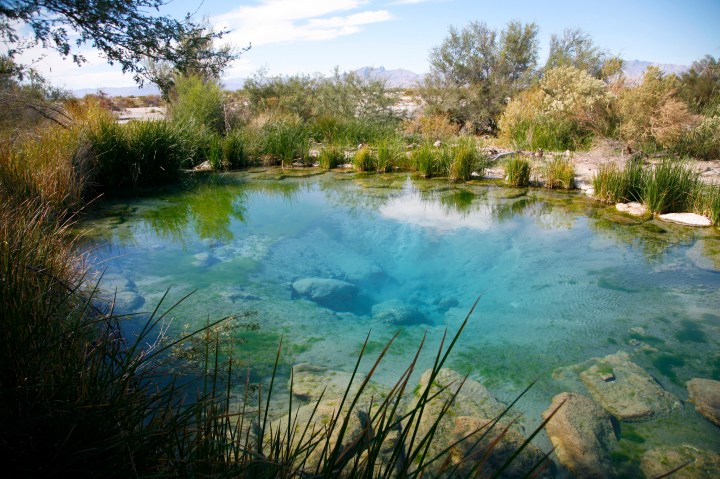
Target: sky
{"type": "Point", "coordinates": [315, 36]}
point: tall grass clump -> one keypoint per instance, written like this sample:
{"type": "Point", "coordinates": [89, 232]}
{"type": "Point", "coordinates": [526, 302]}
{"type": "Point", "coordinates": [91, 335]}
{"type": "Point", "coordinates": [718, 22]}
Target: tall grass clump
{"type": "Point", "coordinates": [708, 202]}
{"type": "Point", "coordinates": [330, 157]}
{"type": "Point", "coordinates": [613, 185]}
{"type": "Point", "coordinates": [669, 187]}
{"type": "Point", "coordinates": [234, 150]}
{"type": "Point", "coordinates": [363, 159]}
{"type": "Point", "coordinates": [424, 160]}
{"type": "Point", "coordinates": [390, 154]}
{"type": "Point", "coordinates": [465, 160]}
{"type": "Point", "coordinates": [283, 140]}
{"type": "Point", "coordinates": [141, 153]}
{"type": "Point", "coordinates": [559, 173]}
{"type": "Point", "coordinates": [517, 171]}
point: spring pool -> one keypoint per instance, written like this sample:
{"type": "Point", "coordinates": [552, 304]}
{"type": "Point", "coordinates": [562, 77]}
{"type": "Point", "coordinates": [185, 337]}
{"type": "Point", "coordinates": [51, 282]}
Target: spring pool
{"type": "Point", "coordinates": [562, 279]}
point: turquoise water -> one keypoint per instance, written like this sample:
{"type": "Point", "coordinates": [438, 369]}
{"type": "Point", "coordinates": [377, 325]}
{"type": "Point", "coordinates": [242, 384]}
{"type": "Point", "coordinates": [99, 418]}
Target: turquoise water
{"type": "Point", "coordinates": [559, 282]}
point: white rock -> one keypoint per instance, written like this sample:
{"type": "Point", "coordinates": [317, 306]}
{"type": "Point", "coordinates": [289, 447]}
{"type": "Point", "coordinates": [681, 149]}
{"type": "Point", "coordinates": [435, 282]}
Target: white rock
{"type": "Point", "coordinates": [633, 208]}
{"type": "Point", "coordinates": [688, 219]}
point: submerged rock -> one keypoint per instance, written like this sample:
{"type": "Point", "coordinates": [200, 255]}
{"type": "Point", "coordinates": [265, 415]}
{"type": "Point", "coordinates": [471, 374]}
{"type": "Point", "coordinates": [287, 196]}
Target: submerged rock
{"type": "Point", "coordinates": [705, 394]}
{"type": "Point", "coordinates": [583, 435]}
{"type": "Point", "coordinates": [203, 260]}
{"type": "Point", "coordinates": [633, 208]}
{"type": "Point", "coordinates": [311, 381]}
{"type": "Point", "coordinates": [632, 394]}
{"type": "Point", "coordinates": [331, 293]}
{"type": "Point", "coordinates": [705, 254]}
{"type": "Point", "coordinates": [492, 450]}
{"type": "Point", "coordinates": [398, 313]}
{"type": "Point", "coordinates": [700, 464]}
{"type": "Point", "coordinates": [127, 302]}
{"type": "Point", "coordinates": [687, 219]}
{"type": "Point", "coordinates": [472, 408]}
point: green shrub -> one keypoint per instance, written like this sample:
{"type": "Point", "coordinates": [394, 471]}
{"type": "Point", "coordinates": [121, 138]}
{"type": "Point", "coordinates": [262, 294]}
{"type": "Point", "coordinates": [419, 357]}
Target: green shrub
{"type": "Point", "coordinates": [670, 187]}
{"type": "Point", "coordinates": [704, 140]}
{"type": "Point", "coordinates": [559, 173]}
{"type": "Point", "coordinates": [330, 157]}
{"type": "Point", "coordinates": [197, 104]}
{"type": "Point", "coordinates": [708, 202]}
{"type": "Point", "coordinates": [517, 171]}
{"type": "Point", "coordinates": [214, 152]}
{"type": "Point", "coordinates": [363, 160]}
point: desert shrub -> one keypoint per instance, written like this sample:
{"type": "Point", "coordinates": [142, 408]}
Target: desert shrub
{"type": "Point", "coordinates": [704, 140]}
{"type": "Point", "coordinates": [431, 127]}
{"type": "Point", "coordinates": [559, 173]}
{"type": "Point", "coordinates": [670, 187]}
{"type": "Point", "coordinates": [650, 117]}
{"type": "Point", "coordinates": [363, 160]}
{"type": "Point", "coordinates": [517, 171]}
{"type": "Point", "coordinates": [563, 112]}
{"type": "Point", "coordinates": [197, 104]}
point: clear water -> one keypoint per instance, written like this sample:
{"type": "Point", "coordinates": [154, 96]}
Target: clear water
{"type": "Point", "coordinates": [559, 282]}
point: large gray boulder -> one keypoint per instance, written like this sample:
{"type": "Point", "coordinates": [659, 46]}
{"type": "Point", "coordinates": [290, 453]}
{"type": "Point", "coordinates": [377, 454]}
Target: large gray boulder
{"type": "Point", "coordinates": [332, 293]}
{"type": "Point", "coordinates": [626, 390]}
{"type": "Point", "coordinates": [397, 313]}
{"type": "Point", "coordinates": [700, 464]}
{"type": "Point", "coordinates": [583, 435]}
{"type": "Point", "coordinates": [705, 394]}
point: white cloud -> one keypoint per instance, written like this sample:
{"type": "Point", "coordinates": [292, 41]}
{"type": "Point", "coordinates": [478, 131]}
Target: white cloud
{"type": "Point", "coordinates": [285, 21]}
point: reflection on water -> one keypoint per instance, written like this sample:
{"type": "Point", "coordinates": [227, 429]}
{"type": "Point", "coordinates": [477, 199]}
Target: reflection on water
{"type": "Point", "coordinates": [561, 281]}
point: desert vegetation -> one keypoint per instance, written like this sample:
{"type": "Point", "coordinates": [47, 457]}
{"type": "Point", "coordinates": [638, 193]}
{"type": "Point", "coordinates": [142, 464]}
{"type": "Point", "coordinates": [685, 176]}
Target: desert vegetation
{"type": "Point", "coordinates": [97, 403]}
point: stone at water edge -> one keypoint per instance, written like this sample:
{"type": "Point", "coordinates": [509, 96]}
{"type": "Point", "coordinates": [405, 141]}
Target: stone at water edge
{"type": "Point", "coordinates": [633, 208]}
{"type": "Point", "coordinates": [633, 395]}
{"type": "Point", "coordinates": [582, 434]}
{"type": "Point", "coordinates": [705, 394]}
{"type": "Point", "coordinates": [687, 219]}
{"type": "Point", "coordinates": [701, 464]}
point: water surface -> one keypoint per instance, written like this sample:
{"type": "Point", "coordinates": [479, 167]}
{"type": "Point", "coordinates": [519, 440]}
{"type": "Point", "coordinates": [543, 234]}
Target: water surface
{"type": "Point", "coordinates": [559, 282]}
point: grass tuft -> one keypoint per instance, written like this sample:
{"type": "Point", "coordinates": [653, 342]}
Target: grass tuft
{"type": "Point", "coordinates": [517, 171]}
{"type": "Point", "coordinates": [559, 173]}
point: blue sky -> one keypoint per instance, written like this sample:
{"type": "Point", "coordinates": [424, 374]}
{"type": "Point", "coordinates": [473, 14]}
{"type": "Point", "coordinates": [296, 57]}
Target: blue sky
{"type": "Point", "coordinates": [309, 36]}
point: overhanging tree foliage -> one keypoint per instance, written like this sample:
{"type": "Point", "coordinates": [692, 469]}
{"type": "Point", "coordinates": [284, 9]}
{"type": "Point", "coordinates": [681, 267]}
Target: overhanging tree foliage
{"type": "Point", "coordinates": [126, 32]}
{"type": "Point", "coordinates": [475, 69]}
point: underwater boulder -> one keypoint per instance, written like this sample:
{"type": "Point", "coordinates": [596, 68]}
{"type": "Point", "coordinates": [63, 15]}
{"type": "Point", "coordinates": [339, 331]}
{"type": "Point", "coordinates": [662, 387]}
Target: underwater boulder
{"type": "Point", "coordinates": [582, 434]}
{"type": "Point", "coordinates": [698, 463]}
{"type": "Point", "coordinates": [398, 313]}
{"type": "Point", "coordinates": [127, 302]}
{"type": "Point", "coordinates": [309, 381]}
{"type": "Point", "coordinates": [626, 390]}
{"type": "Point", "coordinates": [204, 260]}
{"type": "Point", "coordinates": [705, 394]}
{"type": "Point", "coordinates": [335, 294]}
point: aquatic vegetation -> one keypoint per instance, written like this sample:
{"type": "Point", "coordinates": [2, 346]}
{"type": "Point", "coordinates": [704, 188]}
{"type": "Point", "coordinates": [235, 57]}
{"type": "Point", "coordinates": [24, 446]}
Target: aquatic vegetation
{"type": "Point", "coordinates": [424, 160]}
{"type": "Point", "coordinates": [559, 173]}
{"type": "Point", "coordinates": [670, 187]}
{"type": "Point", "coordinates": [330, 157]}
{"type": "Point", "coordinates": [517, 171]}
{"type": "Point", "coordinates": [390, 154]}
{"type": "Point", "coordinates": [363, 159]}
{"type": "Point", "coordinates": [465, 160]}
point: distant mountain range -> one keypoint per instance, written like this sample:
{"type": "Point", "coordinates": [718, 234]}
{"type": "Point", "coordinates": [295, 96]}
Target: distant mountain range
{"type": "Point", "coordinates": [397, 78]}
